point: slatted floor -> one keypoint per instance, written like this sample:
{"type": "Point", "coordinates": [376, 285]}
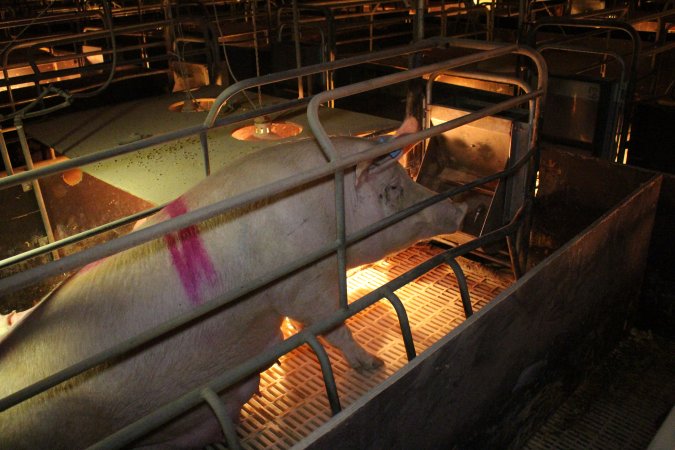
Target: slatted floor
{"type": "Point", "coordinates": [292, 400]}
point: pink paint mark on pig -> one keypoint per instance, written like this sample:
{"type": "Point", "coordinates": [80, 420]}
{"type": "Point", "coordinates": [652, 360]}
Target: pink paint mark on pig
{"type": "Point", "coordinates": [190, 259]}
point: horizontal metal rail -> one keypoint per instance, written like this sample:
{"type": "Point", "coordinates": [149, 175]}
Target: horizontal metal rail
{"type": "Point", "coordinates": [172, 410]}
{"type": "Point", "coordinates": [79, 237]}
{"type": "Point", "coordinates": [336, 167]}
{"type": "Point", "coordinates": [137, 237]}
{"type": "Point", "coordinates": [190, 218]}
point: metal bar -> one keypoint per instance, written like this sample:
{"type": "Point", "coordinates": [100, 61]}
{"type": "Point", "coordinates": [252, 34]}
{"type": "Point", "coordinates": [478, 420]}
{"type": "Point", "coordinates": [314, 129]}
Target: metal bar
{"type": "Point", "coordinates": [242, 85]}
{"type": "Point", "coordinates": [203, 141]}
{"type": "Point", "coordinates": [403, 323]}
{"type": "Point", "coordinates": [5, 153]}
{"type": "Point", "coordinates": [223, 417]}
{"type": "Point", "coordinates": [18, 123]}
{"type": "Point", "coordinates": [463, 288]}
{"type": "Point", "coordinates": [326, 371]}
{"type": "Point", "coordinates": [341, 231]}
{"type": "Point", "coordinates": [70, 262]}
{"type": "Point", "coordinates": [189, 400]}
{"type": "Point", "coordinates": [220, 301]}
{"type": "Point", "coordinates": [77, 237]}
{"type": "Point", "coordinates": [296, 44]}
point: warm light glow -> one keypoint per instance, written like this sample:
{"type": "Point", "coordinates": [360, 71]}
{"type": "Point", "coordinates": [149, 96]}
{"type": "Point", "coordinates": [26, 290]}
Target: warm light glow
{"type": "Point", "coordinates": [93, 59]}
{"type": "Point", "coordinates": [289, 328]}
{"type": "Point", "coordinates": [196, 105]}
{"type": "Point", "coordinates": [267, 131]}
{"type": "Point", "coordinates": [43, 68]}
{"type": "Point", "coordinates": [72, 177]}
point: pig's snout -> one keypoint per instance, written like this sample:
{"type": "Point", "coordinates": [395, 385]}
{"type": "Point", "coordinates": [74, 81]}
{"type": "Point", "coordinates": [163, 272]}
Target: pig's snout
{"type": "Point", "coordinates": [446, 217]}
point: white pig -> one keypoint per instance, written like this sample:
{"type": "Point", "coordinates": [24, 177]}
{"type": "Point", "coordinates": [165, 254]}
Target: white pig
{"type": "Point", "coordinates": [120, 296]}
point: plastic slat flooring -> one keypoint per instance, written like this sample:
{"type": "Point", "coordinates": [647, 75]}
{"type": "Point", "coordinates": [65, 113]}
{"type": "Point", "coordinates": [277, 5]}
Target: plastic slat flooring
{"type": "Point", "coordinates": [292, 401]}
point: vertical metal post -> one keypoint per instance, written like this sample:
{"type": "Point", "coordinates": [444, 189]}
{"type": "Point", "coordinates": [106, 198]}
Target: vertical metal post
{"type": "Point", "coordinates": [419, 20]}
{"type": "Point", "coordinates": [36, 185]}
{"type": "Point", "coordinates": [5, 153]}
{"type": "Point", "coordinates": [205, 152]}
{"type": "Point", "coordinates": [296, 41]}
{"type": "Point", "coordinates": [341, 237]}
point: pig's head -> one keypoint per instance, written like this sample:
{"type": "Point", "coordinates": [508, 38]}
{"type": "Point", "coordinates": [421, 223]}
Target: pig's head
{"type": "Point", "coordinates": [382, 188]}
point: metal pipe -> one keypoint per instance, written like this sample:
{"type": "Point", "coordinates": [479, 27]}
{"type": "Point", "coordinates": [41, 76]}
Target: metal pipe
{"type": "Point", "coordinates": [463, 288]}
{"type": "Point", "coordinates": [70, 262]}
{"type": "Point", "coordinates": [223, 417]}
{"type": "Point", "coordinates": [18, 123]}
{"type": "Point", "coordinates": [5, 153]}
{"type": "Point", "coordinates": [403, 323]}
{"type": "Point", "coordinates": [513, 255]}
{"type": "Point", "coordinates": [242, 85]}
{"type": "Point", "coordinates": [296, 44]}
{"type": "Point", "coordinates": [191, 399]}
{"type": "Point", "coordinates": [77, 237]}
{"type": "Point", "coordinates": [326, 371]}
{"type": "Point", "coordinates": [341, 231]}
{"type": "Point", "coordinates": [203, 141]}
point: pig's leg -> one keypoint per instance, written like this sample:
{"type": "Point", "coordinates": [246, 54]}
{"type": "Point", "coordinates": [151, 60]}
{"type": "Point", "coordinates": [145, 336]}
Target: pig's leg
{"type": "Point", "coordinates": [356, 356]}
{"type": "Point", "coordinates": [313, 299]}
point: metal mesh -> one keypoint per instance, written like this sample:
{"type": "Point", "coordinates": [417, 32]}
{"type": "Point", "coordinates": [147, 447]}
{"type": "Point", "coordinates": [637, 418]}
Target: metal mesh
{"type": "Point", "coordinates": [292, 400]}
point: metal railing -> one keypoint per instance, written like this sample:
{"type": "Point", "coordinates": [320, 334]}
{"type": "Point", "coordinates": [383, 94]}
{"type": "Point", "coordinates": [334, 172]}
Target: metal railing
{"type": "Point", "coordinates": [334, 166]}
{"type": "Point", "coordinates": [617, 136]}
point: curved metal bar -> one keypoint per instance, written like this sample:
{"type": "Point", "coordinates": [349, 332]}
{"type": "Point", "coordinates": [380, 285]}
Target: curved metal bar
{"type": "Point", "coordinates": [403, 321]}
{"type": "Point", "coordinates": [463, 288]}
{"type": "Point", "coordinates": [223, 417]}
{"type": "Point", "coordinates": [70, 262]}
{"type": "Point", "coordinates": [8, 284]}
{"type": "Point", "coordinates": [242, 85]}
{"type": "Point", "coordinates": [326, 371]}
{"type": "Point", "coordinates": [259, 362]}
{"type": "Point", "coordinates": [496, 50]}
{"type": "Point", "coordinates": [599, 27]}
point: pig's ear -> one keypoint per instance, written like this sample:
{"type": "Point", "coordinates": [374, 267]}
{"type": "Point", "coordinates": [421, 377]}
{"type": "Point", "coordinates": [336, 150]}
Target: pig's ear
{"type": "Point", "coordinates": [409, 126]}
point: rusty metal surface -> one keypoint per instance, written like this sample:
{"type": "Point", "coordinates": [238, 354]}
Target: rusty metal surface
{"type": "Point", "coordinates": [486, 383]}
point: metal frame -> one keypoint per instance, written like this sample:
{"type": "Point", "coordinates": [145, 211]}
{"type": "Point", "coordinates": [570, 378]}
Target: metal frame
{"type": "Point", "coordinates": [334, 166]}
{"type": "Point", "coordinates": [628, 73]}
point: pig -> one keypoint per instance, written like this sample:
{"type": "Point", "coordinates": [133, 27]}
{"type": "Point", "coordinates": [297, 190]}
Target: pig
{"type": "Point", "coordinates": [120, 296]}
